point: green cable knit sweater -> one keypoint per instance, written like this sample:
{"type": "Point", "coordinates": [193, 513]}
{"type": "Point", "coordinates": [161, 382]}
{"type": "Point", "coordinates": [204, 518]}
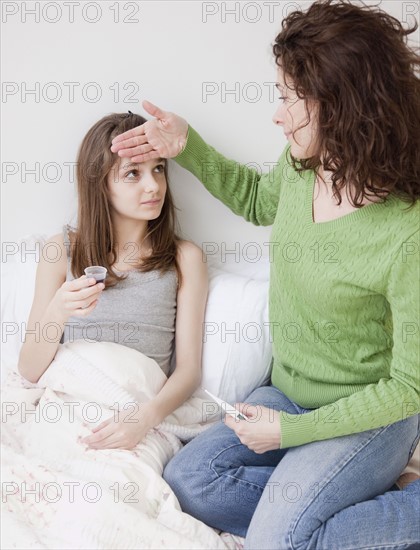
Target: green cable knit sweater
{"type": "Point", "coordinates": [344, 297]}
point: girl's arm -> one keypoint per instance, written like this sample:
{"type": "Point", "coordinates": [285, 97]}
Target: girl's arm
{"type": "Point", "coordinates": [191, 303]}
{"type": "Point", "coordinates": [55, 300]}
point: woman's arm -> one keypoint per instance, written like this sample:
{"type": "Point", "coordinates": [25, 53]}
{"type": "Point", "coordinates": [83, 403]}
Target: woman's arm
{"type": "Point", "coordinates": [379, 404]}
{"type": "Point", "coordinates": [244, 190]}
{"type": "Point", "coordinates": [390, 399]}
{"type": "Point", "coordinates": [54, 302]}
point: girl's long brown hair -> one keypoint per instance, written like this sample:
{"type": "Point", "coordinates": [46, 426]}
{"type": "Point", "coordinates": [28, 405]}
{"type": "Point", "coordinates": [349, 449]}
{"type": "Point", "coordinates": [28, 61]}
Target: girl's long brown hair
{"type": "Point", "coordinates": [95, 240]}
{"type": "Point", "coordinates": [354, 63]}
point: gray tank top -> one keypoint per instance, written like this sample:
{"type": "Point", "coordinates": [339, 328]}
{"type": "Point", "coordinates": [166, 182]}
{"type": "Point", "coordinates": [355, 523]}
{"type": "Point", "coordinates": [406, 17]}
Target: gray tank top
{"type": "Point", "coordinates": [139, 312]}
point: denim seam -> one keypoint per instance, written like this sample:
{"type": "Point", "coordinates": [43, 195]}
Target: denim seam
{"type": "Point", "coordinates": [402, 546]}
{"type": "Point", "coordinates": [327, 480]}
{"type": "Point", "coordinates": [243, 481]}
{"type": "Point", "coordinates": [416, 439]}
{"type": "Point", "coordinates": [228, 475]}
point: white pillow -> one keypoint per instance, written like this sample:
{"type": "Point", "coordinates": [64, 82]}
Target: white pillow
{"type": "Point", "coordinates": [234, 363]}
{"type": "Point", "coordinates": [18, 273]}
{"type": "Point", "coordinates": [258, 269]}
{"type": "Point", "coordinates": [236, 342]}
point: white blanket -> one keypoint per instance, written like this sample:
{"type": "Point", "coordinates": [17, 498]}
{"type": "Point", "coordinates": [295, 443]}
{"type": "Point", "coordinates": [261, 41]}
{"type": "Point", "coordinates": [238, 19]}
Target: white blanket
{"type": "Point", "coordinates": [57, 493]}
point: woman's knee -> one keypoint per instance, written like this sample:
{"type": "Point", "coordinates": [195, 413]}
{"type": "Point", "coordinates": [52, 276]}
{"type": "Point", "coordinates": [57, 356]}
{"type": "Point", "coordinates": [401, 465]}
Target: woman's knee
{"type": "Point", "coordinates": [175, 470]}
{"type": "Point", "coordinates": [271, 397]}
{"type": "Point", "coordinates": [190, 468]}
{"type": "Point", "coordinates": [186, 481]}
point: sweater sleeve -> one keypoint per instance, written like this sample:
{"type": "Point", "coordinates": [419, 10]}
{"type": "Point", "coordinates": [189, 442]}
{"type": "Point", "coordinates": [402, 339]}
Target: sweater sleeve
{"type": "Point", "coordinates": [244, 190]}
{"type": "Point", "coordinates": [391, 399]}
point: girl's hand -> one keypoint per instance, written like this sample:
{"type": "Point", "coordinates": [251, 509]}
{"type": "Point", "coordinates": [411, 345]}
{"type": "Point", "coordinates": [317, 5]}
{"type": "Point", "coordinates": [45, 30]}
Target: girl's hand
{"type": "Point", "coordinates": [261, 433]}
{"type": "Point", "coordinates": [124, 430]}
{"type": "Point", "coordinates": [163, 137]}
{"type": "Point", "coordinates": [77, 298]}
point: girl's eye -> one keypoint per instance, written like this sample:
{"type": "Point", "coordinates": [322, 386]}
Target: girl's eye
{"type": "Point", "coordinates": [282, 97]}
{"type": "Point", "coordinates": [135, 174]}
{"type": "Point", "coordinates": [132, 174]}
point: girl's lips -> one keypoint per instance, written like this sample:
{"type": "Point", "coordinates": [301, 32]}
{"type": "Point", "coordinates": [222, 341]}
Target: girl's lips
{"type": "Point", "coordinates": [151, 203]}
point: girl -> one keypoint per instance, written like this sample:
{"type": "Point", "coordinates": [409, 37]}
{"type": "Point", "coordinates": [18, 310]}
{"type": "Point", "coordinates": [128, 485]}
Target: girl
{"type": "Point", "coordinates": [156, 287]}
{"type": "Point", "coordinates": [345, 381]}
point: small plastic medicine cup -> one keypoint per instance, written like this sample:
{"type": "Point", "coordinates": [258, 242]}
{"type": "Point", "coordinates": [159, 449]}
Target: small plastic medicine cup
{"type": "Point", "coordinates": [97, 272]}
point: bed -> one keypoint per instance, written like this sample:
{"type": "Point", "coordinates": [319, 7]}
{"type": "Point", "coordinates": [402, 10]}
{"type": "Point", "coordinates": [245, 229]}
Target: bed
{"type": "Point", "coordinates": [56, 494]}
{"type": "Point", "coordinates": [115, 499]}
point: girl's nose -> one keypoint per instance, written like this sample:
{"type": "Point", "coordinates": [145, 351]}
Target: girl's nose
{"type": "Point", "coordinates": [150, 183]}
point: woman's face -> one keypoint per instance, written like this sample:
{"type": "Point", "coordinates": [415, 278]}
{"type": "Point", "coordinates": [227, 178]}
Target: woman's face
{"type": "Point", "coordinates": [137, 190]}
{"type": "Point", "coordinates": [291, 114]}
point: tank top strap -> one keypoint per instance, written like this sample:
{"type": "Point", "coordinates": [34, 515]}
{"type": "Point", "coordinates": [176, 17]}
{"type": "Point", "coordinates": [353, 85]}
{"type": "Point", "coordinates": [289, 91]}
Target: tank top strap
{"type": "Point", "coordinates": [67, 243]}
{"type": "Point", "coordinates": [66, 239]}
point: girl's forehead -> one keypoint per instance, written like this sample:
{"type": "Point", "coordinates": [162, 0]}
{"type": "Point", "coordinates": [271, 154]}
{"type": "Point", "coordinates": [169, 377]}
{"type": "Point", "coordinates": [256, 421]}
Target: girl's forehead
{"type": "Point", "coordinates": [124, 163]}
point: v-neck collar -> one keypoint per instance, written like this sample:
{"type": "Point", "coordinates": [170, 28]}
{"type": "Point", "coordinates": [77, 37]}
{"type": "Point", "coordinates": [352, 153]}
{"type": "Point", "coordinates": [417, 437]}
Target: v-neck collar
{"type": "Point", "coordinates": [343, 221]}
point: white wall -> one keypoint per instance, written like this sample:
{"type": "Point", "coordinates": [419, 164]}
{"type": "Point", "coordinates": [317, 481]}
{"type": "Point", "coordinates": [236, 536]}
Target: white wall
{"type": "Point", "coordinates": [173, 49]}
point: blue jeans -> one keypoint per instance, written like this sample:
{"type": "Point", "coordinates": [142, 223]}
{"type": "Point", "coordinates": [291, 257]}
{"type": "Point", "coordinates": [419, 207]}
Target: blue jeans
{"type": "Point", "coordinates": [322, 495]}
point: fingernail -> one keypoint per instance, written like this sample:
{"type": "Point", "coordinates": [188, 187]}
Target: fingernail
{"type": "Point", "coordinates": [92, 281]}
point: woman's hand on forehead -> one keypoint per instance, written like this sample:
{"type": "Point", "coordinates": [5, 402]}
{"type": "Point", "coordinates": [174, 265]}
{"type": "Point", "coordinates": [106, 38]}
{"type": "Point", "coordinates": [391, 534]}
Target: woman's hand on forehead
{"type": "Point", "coordinates": [162, 137]}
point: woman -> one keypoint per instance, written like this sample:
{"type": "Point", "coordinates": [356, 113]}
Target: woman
{"type": "Point", "coordinates": [156, 287]}
{"type": "Point", "coordinates": [344, 306]}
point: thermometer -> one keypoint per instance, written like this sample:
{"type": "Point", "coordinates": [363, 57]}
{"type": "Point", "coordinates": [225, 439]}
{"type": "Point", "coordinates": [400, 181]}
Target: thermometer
{"type": "Point", "coordinates": [229, 409]}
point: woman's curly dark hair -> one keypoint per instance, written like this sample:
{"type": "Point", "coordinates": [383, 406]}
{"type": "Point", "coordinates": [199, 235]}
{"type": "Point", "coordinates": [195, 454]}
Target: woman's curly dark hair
{"type": "Point", "coordinates": [355, 63]}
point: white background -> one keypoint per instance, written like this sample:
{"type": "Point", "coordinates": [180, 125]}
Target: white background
{"type": "Point", "coordinates": [170, 50]}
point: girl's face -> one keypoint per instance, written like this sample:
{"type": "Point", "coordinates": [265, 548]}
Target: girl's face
{"type": "Point", "coordinates": [291, 114]}
{"type": "Point", "coordinates": [137, 190]}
